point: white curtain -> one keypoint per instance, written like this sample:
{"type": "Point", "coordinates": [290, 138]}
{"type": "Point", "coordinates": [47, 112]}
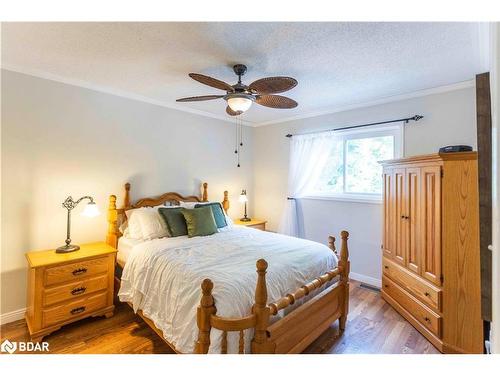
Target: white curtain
{"type": "Point", "coordinates": [308, 155]}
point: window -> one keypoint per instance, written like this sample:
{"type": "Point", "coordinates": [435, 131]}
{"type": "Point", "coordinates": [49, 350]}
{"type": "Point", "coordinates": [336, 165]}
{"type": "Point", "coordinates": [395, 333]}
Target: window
{"type": "Point", "coordinates": [352, 171]}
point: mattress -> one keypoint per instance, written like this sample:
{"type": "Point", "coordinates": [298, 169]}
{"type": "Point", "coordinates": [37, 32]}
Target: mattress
{"type": "Point", "coordinates": [162, 278]}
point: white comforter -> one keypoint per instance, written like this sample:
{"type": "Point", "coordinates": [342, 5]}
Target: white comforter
{"type": "Point", "coordinates": [162, 278]}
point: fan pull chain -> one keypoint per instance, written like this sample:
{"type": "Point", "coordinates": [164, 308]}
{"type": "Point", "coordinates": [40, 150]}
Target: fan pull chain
{"type": "Point", "coordinates": [238, 137]}
{"type": "Point", "coordinates": [241, 132]}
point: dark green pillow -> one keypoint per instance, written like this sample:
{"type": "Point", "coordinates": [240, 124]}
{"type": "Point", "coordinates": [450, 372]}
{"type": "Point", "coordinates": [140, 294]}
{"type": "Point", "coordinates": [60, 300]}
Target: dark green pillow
{"type": "Point", "coordinates": [199, 221]}
{"type": "Point", "coordinates": [220, 218]}
{"type": "Point", "coordinates": [176, 224]}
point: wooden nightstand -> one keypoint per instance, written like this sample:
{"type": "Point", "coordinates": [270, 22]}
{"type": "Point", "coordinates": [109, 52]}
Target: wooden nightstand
{"type": "Point", "coordinates": [254, 223]}
{"type": "Point", "coordinates": [64, 288]}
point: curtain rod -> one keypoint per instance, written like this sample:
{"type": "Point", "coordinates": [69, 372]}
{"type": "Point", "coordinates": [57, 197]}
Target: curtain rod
{"type": "Point", "coordinates": [406, 120]}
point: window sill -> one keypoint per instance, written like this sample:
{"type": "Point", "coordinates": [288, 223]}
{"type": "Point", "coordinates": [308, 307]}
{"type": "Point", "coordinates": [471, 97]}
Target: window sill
{"type": "Point", "coordinates": [345, 198]}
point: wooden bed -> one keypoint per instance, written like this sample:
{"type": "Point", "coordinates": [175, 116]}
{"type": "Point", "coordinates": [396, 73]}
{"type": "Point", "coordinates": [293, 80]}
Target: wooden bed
{"type": "Point", "coordinates": [290, 334]}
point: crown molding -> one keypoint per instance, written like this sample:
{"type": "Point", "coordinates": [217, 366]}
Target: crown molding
{"type": "Point", "coordinates": [115, 92]}
{"type": "Point", "coordinates": [388, 99]}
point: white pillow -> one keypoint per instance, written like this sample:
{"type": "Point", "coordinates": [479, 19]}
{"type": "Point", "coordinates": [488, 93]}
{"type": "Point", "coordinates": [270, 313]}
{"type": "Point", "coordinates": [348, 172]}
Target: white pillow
{"type": "Point", "coordinates": [146, 223]}
{"type": "Point", "coordinates": [134, 224]}
{"type": "Point", "coordinates": [190, 205]}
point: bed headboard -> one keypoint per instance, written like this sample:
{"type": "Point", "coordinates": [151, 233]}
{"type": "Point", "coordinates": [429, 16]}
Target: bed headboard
{"type": "Point", "coordinates": [116, 216]}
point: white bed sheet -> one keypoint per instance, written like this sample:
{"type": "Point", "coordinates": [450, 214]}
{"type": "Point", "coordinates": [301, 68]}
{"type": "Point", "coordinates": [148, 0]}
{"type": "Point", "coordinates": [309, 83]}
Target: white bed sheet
{"type": "Point", "coordinates": [162, 277]}
{"type": "Point", "coordinates": [125, 246]}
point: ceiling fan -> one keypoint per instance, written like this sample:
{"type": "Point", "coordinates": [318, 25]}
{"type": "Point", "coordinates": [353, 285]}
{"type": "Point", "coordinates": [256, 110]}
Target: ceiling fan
{"type": "Point", "coordinates": [240, 97]}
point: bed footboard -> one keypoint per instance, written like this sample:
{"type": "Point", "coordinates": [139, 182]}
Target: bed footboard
{"type": "Point", "coordinates": [294, 332]}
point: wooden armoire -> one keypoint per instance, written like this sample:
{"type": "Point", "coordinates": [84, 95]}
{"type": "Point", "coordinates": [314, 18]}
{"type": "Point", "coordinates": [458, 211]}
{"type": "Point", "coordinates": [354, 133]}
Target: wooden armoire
{"type": "Point", "coordinates": [430, 263]}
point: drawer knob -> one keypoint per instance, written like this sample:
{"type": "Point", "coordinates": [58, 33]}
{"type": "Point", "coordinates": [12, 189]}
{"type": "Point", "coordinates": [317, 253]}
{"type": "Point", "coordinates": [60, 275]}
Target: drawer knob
{"type": "Point", "coordinates": [386, 285]}
{"type": "Point", "coordinates": [78, 310]}
{"type": "Point", "coordinates": [427, 319]}
{"type": "Point", "coordinates": [427, 294]}
{"type": "Point", "coordinates": [386, 267]}
{"type": "Point", "coordinates": [78, 291]}
{"type": "Point", "coordinates": [79, 271]}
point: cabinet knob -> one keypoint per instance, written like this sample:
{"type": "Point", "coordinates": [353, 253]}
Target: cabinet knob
{"type": "Point", "coordinates": [386, 267]}
{"type": "Point", "coordinates": [427, 294]}
{"type": "Point", "coordinates": [427, 319]}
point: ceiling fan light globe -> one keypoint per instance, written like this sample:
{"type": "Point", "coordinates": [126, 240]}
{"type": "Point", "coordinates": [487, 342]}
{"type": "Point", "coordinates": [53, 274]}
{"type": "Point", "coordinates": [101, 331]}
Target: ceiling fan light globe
{"type": "Point", "coordinates": [239, 104]}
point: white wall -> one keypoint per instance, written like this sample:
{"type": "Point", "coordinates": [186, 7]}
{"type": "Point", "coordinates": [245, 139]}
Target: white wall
{"type": "Point", "coordinates": [60, 140]}
{"type": "Point", "coordinates": [449, 119]}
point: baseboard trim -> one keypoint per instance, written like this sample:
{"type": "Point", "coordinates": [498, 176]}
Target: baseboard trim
{"type": "Point", "coordinates": [12, 316]}
{"type": "Point", "coordinates": [366, 279]}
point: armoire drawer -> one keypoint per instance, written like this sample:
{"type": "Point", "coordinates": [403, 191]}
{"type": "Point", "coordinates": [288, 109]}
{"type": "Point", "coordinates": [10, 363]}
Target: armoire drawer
{"type": "Point", "coordinates": [423, 290]}
{"type": "Point", "coordinates": [417, 309]}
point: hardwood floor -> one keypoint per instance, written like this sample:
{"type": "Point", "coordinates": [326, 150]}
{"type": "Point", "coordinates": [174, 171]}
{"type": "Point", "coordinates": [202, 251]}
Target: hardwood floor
{"type": "Point", "coordinates": [373, 327]}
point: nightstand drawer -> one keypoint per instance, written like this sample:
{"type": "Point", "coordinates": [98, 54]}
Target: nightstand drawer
{"type": "Point", "coordinates": [75, 271]}
{"type": "Point", "coordinates": [74, 290]}
{"type": "Point", "coordinates": [73, 309]}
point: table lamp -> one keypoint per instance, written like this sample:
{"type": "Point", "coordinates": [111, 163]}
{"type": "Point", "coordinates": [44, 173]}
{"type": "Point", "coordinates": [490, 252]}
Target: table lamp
{"type": "Point", "coordinates": [243, 199]}
{"type": "Point", "coordinates": [90, 210]}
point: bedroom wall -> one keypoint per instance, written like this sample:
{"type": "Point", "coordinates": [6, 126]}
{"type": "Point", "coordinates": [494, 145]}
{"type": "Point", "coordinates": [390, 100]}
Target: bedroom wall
{"type": "Point", "coordinates": [60, 140]}
{"type": "Point", "coordinates": [449, 119]}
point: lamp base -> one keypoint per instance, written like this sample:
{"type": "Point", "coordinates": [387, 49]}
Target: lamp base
{"type": "Point", "coordinates": [245, 219]}
{"type": "Point", "coordinates": [67, 248]}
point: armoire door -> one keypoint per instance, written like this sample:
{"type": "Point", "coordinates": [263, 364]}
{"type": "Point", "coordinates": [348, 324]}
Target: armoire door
{"type": "Point", "coordinates": [388, 235]}
{"type": "Point", "coordinates": [400, 230]}
{"type": "Point", "coordinates": [413, 197]}
{"type": "Point", "coordinates": [430, 231]}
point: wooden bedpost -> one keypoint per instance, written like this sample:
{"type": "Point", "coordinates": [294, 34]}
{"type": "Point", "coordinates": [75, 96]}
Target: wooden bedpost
{"type": "Point", "coordinates": [225, 202]}
{"type": "Point", "coordinates": [260, 342]}
{"type": "Point", "coordinates": [126, 199]}
{"type": "Point", "coordinates": [204, 196]}
{"type": "Point", "coordinates": [112, 235]}
{"type": "Point", "coordinates": [344, 264]}
{"type": "Point", "coordinates": [205, 311]}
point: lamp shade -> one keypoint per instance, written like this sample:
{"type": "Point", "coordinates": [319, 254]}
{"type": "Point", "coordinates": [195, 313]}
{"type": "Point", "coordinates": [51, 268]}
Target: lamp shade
{"type": "Point", "coordinates": [243, 197]}
{"type": "Point", "coordinates": [91, 210]}
{"type": "Point", "coordinates": [239, 104]}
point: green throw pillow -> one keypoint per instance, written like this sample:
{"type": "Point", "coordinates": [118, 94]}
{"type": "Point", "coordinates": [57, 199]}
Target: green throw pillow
{"type": "Point", "coordinates": [200, 221]}
{"type": "Point", "coordinates": [176, 224]}
{"type": "Point", "coordinates": [220, 218]}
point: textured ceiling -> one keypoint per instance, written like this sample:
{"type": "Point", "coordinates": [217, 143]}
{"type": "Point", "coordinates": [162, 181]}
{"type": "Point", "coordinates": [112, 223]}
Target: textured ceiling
{"type": "Point", "coordinates": [336, 64]}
